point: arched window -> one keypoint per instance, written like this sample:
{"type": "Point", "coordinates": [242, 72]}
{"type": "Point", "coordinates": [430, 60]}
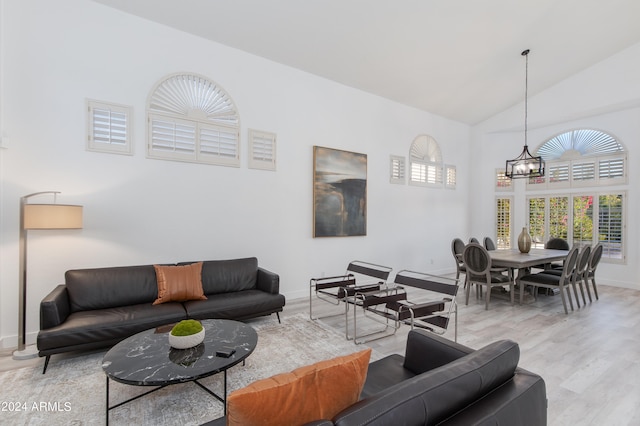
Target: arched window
{"type": "Point", "coordinates": [425, 161]}
{"type": "Point", "coordinates": [578, 158]}
{"type": "Point", "coordinates": [192, 119]}
{"type": "Point", "coordinates": [581, 142]}
{"type": "Point", "coordinates": [586, 169]}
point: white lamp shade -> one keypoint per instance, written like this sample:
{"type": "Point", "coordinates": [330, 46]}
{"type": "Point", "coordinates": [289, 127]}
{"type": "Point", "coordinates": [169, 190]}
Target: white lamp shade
{"type": "Point", "coordinates": [52, 216]}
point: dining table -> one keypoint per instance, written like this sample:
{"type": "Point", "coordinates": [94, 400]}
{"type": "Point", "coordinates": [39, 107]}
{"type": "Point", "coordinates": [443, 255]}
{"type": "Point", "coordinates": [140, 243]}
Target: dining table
{"type": "Point", "coordinates": [514, 259]}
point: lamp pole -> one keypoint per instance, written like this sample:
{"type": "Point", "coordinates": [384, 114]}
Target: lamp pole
{"type": "Point", "coordinates": [22, 352]}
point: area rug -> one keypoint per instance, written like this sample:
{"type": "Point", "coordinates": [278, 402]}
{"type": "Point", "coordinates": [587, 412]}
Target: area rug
{"type": "Point", "coordinates": [72, 392]}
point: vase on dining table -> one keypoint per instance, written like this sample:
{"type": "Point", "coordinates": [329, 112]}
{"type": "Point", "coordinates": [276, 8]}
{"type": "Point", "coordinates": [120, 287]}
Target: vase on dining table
{"type": "Point", "coordinates": [524, 241]}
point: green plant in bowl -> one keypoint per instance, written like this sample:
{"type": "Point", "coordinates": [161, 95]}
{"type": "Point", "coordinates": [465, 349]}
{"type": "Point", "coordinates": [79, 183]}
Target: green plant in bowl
{"type": "Point", "coordinates": [186, 328]}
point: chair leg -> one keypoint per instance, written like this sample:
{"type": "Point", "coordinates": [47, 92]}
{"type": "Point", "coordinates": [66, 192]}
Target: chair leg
{"type": "Point", "coordinates": [487, 296]}
{"type": "Point", "coordinates": [586, 285]}
{"type": "Point", "coordinates": [278, 315]}
{"type": "Point", "coordinates": [467, 291]}
{"type": "Point", "coordinates": [46, 363]}
{"type": "Point", "coordinates": [564, 303]}
{"type": "Point", "coordinates": [579, 284]}
{"type": "Point", "coordinates": [521, 292]}
{"type": "Point", "coordinates": [568, 289]}
{"type": "Point", "coordinates": [595, 289]}
{"type": "Point", "coordinates": [575, 291]}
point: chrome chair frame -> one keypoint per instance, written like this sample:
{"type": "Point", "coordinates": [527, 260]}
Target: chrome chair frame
{"type": "Point", "coordinates": [394, 309]}
{"type": "Point", "coordinates": [360, 276]}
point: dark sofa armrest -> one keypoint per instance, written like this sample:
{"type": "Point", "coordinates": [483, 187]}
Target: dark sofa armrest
{"type": "Point", "coordinates": [54, 308]}
{"type": "Point", "coordinates": [426, 351]}
{"type": "Point", "coordinates": [268, 281]}
{"type": "Point", "coordinates": [519, 401]}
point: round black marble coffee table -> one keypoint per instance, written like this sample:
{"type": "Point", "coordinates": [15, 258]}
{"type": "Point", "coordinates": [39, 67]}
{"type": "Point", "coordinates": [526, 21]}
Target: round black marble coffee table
{"type": "Point", "coordinates": [147, 359]}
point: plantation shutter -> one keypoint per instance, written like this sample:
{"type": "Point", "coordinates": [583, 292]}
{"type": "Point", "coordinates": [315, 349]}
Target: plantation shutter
{"type": "Point", "coordinates": [610, 225]}
{"type": "Point", "coordinates": [108, 127]}
{"type": "Point", "coordinates": [192, 119]}
{"type": "Point", "coordinates": [450, 177]}
{"type": "Point", "coordinates": [171, 138]}
{"type": "Point", "coordinates": [262, 150]}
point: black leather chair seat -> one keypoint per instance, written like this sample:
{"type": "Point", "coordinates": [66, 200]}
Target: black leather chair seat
{"type": "Point", "coordinates": [542, 278]}
{"type": "Point", "coordinates": [238, 305]}
{"type": "Point", "coordinates": [103, 325]}
{"type": "Point", "coordinates": [496, 278]}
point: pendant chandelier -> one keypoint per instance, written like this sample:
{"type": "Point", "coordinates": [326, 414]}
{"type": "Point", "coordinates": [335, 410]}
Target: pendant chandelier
{"type": "Point", "coordinates": [525, 165]}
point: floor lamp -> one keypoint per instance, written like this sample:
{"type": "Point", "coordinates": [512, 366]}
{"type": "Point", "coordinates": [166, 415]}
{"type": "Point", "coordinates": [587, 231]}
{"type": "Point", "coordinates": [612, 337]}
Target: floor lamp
{"type": "Point", "coordinates": [32, 217]}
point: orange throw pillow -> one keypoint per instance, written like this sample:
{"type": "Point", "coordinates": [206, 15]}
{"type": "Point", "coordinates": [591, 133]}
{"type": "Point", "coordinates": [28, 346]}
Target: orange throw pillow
{"type": "Point", "coordinates": [179, 283]}
{"type": "Point", "coordinates": [318, 391]}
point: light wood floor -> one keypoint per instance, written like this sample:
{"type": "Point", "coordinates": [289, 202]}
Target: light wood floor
{"type": "Point", "coordinates": [589, 359]}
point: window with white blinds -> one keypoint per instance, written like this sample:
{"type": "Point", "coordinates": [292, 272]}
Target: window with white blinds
{"type": "Point", "coordinates": [584, 205]}
{"type": "Point", "coordinates": [108, 127]}
{"type": "Point", "coordinates": [397, 173]}
{"type": "Point", "coordinates": [611, 170]}
{"type": "Point", "coordinates": [581, 158]}
{"type": "Point", "coordinates": [611, 225]}
{"type": "Point", "coordinates": [425, 159]}
{"type": "Point", "coordinates": [451, 176]}
{"type": "Point", "coordinates": [503, 222]}
{"type": "Point", "coordinates": [262, 150]}
{"type": "Point", "coordinates": [192, 119]}
{"type": "Point", "coordinates": [537, 221]}
{"type": "Point", "coordinates": [582, 219]}
{"type": "Point", "coordinates": [583, 172]}
{"type": "Point", "coordinates": [503, 183]}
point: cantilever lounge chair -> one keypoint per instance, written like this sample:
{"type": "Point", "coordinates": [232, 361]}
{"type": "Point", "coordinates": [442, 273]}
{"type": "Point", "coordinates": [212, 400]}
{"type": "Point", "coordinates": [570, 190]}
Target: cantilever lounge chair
{"type": "Point", "coordinates": [417, 299]}
{"type": "Point", "coordinates": [360, 276]}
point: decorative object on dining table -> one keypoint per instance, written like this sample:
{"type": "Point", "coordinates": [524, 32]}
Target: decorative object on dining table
{"type": "Point", "coordinates": [186, 334]}
{"type": "Point", "coordinates": [524, 241]}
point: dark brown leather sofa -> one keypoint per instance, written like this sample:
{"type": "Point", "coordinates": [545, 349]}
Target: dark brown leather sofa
{"type": "Point", "coordinates": [440, 382]}
{"type": "Point", "coordinates": [97, 308]}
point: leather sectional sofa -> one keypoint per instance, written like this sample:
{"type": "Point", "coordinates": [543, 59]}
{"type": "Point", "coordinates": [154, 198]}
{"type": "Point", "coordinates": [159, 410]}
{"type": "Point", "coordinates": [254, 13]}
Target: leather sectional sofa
{"type": "Point", "coordinates": [440, 382]}
{"type": "Point", "coordinates": [97, 308]}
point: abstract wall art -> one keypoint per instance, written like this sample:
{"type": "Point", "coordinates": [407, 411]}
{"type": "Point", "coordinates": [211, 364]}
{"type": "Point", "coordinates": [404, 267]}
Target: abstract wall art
{"type": "Point", "coordinates": [339, 193]}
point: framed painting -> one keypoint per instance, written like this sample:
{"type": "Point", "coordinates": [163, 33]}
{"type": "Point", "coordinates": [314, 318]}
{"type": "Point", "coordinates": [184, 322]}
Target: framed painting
{"type": "Point", "coordinates": [339, 193]}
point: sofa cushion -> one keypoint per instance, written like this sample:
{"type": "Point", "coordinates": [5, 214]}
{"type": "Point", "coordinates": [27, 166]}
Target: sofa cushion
{"type": "Point", "coordinates": [317, 391]}
{"type": "Point", "coordinates": [226, 276]}
{"type": "Point", "coordinates": [236, 305]}
{"type": "Point", "coordinates": [179, 283]}
{"type": "Point", "coordinates": [103, 288]}
{"type": "Point", "coordinates": [431, 397]}
{"type": "Point", "coordinates": [108, 325]}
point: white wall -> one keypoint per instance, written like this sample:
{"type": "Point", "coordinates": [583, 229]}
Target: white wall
{"type": "Point", "coordinates": [605, 96]}
{"type": "Point", "coordinates": [138, 211]}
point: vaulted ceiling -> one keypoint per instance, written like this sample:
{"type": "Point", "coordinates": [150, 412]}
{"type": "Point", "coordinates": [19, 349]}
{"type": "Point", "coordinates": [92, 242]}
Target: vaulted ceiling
{"type": "Point", "coordinates": [456, 58]}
